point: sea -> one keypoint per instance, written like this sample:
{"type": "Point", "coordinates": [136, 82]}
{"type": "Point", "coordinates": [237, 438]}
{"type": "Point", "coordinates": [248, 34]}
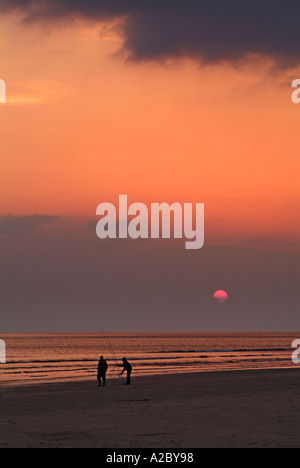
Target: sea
{"type": "Point", "coordinates": [44, 358]}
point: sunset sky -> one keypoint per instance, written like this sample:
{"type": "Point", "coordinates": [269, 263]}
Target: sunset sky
{"type": "Point", "coordinates": [163, 101]}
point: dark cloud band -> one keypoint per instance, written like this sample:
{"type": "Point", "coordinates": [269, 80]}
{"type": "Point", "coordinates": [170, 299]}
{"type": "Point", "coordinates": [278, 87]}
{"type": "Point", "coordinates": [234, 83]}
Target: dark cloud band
{"type": "Point", "coordinates": [24, 224]}
{"type": "Point", "coordinates": [208, 30]}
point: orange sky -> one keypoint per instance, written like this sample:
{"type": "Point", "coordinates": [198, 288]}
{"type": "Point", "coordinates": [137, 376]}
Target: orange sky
{"type": "Point", "coordinates": [82, 125]}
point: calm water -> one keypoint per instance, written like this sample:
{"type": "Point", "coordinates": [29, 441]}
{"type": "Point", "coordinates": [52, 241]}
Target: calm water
{"type": "Point", "coordinates": [60, 357]}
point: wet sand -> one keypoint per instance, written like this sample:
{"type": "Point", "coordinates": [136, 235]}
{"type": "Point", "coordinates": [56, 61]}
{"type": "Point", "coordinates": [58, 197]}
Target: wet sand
{"type": "Point", "coordinates": [217, 409]}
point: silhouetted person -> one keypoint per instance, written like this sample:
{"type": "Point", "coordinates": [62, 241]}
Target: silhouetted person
{"type": "Point", "coordinates": [128, 369]}
{"type": "Point", "coordinates": [102, 369]}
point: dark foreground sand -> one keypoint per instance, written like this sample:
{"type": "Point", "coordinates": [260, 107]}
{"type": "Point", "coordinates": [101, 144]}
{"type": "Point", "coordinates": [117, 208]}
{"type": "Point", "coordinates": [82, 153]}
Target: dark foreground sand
{"type": "Point", "coordinates": [224, 409]}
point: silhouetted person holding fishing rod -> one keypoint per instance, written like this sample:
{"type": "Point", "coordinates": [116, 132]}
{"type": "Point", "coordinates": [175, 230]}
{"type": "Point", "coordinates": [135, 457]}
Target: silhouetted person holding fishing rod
{"type": "Point", "coordinates": [128, 368]}
{"type": "Point", "coordinates": [102, 369]}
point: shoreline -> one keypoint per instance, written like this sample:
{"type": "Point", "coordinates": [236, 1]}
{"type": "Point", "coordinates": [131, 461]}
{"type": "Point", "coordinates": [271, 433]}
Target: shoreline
{"type": "Point", "coordinates": [198, 410]}
{"type": "Point", "coordinates": [78, 380]}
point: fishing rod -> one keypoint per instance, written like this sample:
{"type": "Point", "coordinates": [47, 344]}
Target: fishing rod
{"type": "Point", "coordinates": [112, 351]}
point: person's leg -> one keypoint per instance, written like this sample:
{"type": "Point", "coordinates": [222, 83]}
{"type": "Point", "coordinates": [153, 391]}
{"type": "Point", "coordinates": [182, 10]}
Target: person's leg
{"type": "Point", "coordinates": [104, 379]}
{"type": "Point", "coordinates": [100, 378]}
{"type": "Point", "coordinates": [128, 378]}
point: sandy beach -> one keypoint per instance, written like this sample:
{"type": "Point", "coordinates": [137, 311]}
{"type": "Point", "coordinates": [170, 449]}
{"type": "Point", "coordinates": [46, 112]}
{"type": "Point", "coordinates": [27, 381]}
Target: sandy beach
{"type": "Point", "coordinates": [217, 409]}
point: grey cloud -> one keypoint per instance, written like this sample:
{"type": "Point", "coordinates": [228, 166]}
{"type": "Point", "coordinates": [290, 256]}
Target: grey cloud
{"type": "Point", "coordinates": [24, 224]}
{"type": "Point", "coordinates": [207, 30]}
{"type": "Point", "coordinates": [72, 281]}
